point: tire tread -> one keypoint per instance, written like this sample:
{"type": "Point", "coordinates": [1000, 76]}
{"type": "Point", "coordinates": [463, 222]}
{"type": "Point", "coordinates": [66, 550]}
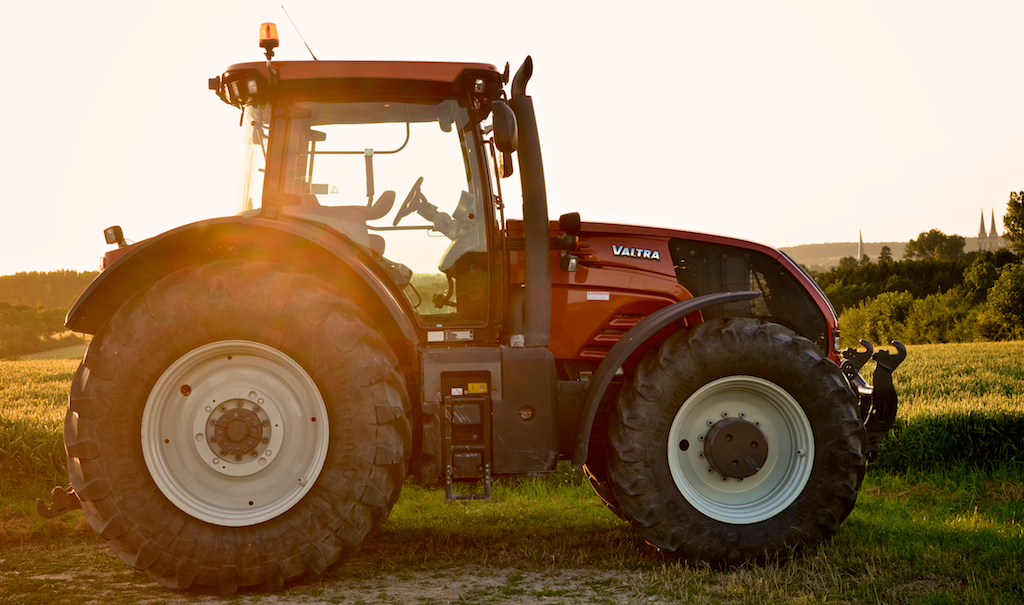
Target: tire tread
{"type": "Point", "coordinates": [642, 483]}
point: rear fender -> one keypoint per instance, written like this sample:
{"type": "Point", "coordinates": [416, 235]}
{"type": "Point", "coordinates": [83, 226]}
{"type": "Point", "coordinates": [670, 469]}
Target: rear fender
{"type": "Point", "coordinates": [305, 247]}
{"type": "Point", "coordinates": [626, 346]}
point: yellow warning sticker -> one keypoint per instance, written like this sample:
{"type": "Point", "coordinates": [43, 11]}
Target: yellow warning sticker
{"type": "Point", "coordinates": [477, 387]}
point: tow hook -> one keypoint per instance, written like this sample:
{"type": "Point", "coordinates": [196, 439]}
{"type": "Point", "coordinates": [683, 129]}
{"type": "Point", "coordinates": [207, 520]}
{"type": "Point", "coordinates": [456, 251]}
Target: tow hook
{"type": "Point", "coordinates": [877, 400]}
{"type": "Point", "coordinates": [64, 499]}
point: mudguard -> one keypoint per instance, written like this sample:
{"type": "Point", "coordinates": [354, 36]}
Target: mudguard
{"type": "Point", "coordinates": [626, 346]}
{"type": "Point", "coordinates": [307, 248]}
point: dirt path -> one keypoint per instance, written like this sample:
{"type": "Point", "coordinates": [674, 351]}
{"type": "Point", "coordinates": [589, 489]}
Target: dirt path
{"type": "Point", "coordinates": [471, 585]}
{"type": "Point", "coordinates": [464, 586]}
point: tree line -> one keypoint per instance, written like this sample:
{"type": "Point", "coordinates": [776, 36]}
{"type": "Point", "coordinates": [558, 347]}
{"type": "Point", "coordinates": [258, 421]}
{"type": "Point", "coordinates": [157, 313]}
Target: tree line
{"type": "Point", "coordinates": [32, 310]}
{"type": "Point", "coordinates": [937, 293]}
{"type": "Point", "coordinates": [54, 289]}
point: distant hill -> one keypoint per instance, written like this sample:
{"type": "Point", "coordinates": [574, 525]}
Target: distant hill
{"type": "Point", "coordinates": [51, 290]}
{"type": "Point", "coordinates": [822, 257]}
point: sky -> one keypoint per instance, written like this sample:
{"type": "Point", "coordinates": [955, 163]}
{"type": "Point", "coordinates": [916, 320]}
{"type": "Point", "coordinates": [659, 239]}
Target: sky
{"type": "Point", "coordinates": [785, 122]}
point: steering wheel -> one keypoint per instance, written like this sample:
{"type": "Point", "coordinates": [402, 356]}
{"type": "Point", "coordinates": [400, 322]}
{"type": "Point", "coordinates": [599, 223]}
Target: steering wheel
{"type": "Point", "coordinates": [412, 201]}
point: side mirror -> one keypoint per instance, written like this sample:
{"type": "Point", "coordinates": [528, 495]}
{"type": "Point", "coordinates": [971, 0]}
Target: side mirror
{"type": "Point", "coordinates": [506, 133]}
{"type": "Point", "coordinates": [570, 223]}
{"type": "Point", "coordinates": [114, 235]}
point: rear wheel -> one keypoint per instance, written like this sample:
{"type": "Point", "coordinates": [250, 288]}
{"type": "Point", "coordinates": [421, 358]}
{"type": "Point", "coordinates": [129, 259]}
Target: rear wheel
{"type": "Point", "coordinates": [737, 442]}
{"type": "Point", "coordinates": [237, 425]}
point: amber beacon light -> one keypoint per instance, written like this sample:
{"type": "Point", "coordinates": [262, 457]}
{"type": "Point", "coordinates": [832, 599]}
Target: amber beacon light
{"type": "Point", "coordinates": [268, 38]}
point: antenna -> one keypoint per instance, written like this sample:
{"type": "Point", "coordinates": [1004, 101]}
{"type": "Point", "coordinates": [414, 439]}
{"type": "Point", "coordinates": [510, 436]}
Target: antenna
{"type": "Point", "coordinates": [298, 32]}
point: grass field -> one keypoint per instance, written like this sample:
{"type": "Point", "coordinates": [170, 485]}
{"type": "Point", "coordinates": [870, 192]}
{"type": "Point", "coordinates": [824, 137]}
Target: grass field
{"type": "Point", "coordinates": [73, 352]}
{"type": "Point", "coordinates": [940, 517]}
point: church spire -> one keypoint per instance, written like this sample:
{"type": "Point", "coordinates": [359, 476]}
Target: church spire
{"type": "Point", "coordinates": [981, 233]}
{"type": "Point", "coordinates": [993, 234]}
{"type": "Point", "coordinates": [860, 247]}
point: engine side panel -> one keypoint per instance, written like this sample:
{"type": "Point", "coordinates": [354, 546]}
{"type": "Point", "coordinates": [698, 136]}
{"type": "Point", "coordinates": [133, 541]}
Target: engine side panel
{"type": "Point", "coordinates": [642, 269]}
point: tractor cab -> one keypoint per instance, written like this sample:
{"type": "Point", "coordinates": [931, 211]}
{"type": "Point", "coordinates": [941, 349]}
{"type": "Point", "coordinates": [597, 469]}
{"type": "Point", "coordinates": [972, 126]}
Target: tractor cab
{"type": "Point", "coordinates": [390, 156]}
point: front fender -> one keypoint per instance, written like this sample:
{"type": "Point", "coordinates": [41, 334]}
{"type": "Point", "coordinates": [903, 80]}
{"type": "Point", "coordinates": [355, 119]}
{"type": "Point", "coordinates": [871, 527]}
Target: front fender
{"type": "Point", "coordinates": [626, 346]}
{"type": "Point", "coordinates": [303, 246]}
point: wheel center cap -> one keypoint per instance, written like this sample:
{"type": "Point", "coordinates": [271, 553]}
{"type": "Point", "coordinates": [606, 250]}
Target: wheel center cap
{"type": "Point", "coordinates": [238, 431]}
{"type": "Point", "coordinates": [735, 448]}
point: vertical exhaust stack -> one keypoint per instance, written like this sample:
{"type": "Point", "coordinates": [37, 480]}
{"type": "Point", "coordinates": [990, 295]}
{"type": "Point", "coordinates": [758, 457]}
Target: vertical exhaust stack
{"type": "Point", "coordinates": [537, 331]}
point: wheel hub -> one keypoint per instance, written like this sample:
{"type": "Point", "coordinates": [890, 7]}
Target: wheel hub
{"type": "Point", "coordinates": [241, 433]}
{"type": "Point", "coordinates": [735, 448]}
{"type": "Point", "coordinates": [237, 431]}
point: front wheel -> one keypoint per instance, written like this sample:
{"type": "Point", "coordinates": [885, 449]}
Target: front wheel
{"type": "Point", "coordinates": [737, 442]}
{"type": "Point", "coordinates": [237, 425]}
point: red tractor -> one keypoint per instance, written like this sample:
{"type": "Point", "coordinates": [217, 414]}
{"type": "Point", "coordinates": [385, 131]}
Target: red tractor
{"type": "Point", "coordinates": [259, 386]}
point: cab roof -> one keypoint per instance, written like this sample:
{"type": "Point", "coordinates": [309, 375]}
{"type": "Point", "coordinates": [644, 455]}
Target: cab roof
{"type": "Point", "coordinates": [247, 82]}
{"type": "Point", "coordinates": [426, 71]}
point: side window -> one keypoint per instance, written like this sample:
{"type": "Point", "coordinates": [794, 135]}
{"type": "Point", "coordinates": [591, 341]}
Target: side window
{"type": "Point", "coordinates": [255, 131]}
{"type": "Point", "coordinates": [706, 268]}
{"type": "Point", "coordinates": [433, 237]}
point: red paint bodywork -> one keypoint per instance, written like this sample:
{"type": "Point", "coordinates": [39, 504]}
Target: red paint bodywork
{"type": "Point", "coordinates": [584, 329]}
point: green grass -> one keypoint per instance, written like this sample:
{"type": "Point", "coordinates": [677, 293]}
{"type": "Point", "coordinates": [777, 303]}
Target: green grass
{"type": "Point", "coordinates": [940, 517]}
{"type": "Point", "coordinates": [73, 352]}
{"type": "Point", "coordinates": [33, 401]}
{"type": "Point", "coordinates": [961, 406]}
{"type": "Point", "coordinates": [936, 538]}
{"type": "Point", "coordinates": [986, 377]}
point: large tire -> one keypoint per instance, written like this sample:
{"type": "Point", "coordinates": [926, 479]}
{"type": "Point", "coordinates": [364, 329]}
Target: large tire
{"type": "Point", "coordinates": [683, 484]}
{"type": "Point", "coordinates": [237, 425]}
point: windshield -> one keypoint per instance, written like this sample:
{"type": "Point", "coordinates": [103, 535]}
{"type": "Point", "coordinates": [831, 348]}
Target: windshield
{"type": "Point", "coordinates": [400, 179]}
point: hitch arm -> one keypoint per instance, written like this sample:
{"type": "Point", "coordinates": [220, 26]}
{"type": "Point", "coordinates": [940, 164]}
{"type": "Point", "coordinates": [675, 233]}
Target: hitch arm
{"type": "Point", "coordinates": [878, 400]}
{"type": "Point", "coordinates": [884, 397]}
{"type": "Point", "coordinates": [64, 499]}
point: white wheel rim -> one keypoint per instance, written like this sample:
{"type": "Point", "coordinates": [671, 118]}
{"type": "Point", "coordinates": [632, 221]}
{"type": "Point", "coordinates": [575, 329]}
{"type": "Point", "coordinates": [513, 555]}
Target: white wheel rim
{"type": "Point", "coordinates": [783, 475]}
{"type": "Point", "coordinates": [268, 415]}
